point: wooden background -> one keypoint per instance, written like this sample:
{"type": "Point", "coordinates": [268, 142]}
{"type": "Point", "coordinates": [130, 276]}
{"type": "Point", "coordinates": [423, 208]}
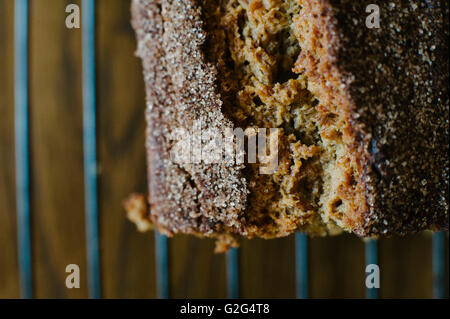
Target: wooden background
{"type": "Point", "coordinates": [127, 257]}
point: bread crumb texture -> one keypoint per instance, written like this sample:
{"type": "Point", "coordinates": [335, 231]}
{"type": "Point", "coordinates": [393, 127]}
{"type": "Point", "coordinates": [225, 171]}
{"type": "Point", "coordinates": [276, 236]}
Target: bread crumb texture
{"type": "Point", "coordinates": [260, 49]}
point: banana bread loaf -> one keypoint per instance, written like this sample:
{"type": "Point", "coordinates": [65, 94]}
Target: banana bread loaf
{"type": "Point", "coordinates": [358, 117]}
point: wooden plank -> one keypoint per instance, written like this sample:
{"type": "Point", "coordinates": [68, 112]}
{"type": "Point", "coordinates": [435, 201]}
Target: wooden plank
{"type": "Point", "coordinates": [405, 267]}
{"type": "Point", "coordinates": [337, 267]}
{"type": "Point", "coordinates": [267, 268]}
{"type": "Point", "coordinates": [195, 271]}
{"type": "Point", "coordinates": [9, 280]}
{"type": "Point", "coordinates": [56, 151]}
{"type": "Point", "coordinates": [127, 257]}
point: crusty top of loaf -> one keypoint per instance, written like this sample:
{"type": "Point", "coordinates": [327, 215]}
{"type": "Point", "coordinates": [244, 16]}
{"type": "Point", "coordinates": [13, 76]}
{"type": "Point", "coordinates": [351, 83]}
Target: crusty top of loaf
{"type": "Point", "coordinates": [396, 80]}
{"type": "Point", "coordinates": [189, 198]}
{"type": "Point", "coordinates": [404, 106]}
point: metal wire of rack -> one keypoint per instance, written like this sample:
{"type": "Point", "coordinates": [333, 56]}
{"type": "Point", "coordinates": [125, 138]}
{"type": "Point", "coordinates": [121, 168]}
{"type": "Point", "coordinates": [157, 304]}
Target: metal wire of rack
{"type": "Point", "coordinates": [21, 37]}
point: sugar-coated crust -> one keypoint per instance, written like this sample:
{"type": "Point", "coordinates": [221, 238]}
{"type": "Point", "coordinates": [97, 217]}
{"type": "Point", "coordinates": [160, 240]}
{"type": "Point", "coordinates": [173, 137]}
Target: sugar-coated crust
{"type": "Point", "coordinates": [199, 198]}
{"type": "Point", "coordinates": [390, 84]}
{"type": "Point", "coordinates": [396, 80]}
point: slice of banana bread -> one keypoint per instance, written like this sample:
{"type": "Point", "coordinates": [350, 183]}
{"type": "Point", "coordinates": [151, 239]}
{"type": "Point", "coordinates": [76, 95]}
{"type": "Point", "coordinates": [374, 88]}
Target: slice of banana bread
{"type": "Point", "coordinates": [358, 117]}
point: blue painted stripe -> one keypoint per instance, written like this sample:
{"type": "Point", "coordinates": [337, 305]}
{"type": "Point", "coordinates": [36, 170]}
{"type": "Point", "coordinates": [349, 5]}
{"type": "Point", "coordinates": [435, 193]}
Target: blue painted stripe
{"type": "Point", "coordinates": [22, 146]}
{"type": "Point", "coordinates": [301, 265]}
{"type": "Point", "coordinates": [232, 260]}
{"type": "Point", "coordinates": [371, 254]}
{"type": "Point", "coordinates": [438, 250]}
{"type": "Point", "coordinates": [90, 147]}
{"type": "Point", "coordinates": [162, 266]}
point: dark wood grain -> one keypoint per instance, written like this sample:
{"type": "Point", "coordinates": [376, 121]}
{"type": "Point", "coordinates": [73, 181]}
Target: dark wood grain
{"type": "Point", "coordinates": [56, 150]}
{"type": "Point", "coordinates": [195, 271]}
{"type": "Point", "coordinates": [405, 267]}
{"type": "Point", "coordinates": [267, 268]}
{"type": "Point", "coordinates": [9, 281]}
{"type": "Point", "coordinates": [337, 267]}
{"type": "Point", "coordinates": [127, 256]}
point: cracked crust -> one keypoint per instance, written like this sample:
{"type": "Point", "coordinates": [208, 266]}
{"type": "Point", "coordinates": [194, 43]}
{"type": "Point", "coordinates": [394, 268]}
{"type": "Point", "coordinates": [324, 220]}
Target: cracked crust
{"type": "Point", "coordinates": [389, 90]}
{"type": "Point", "coordinates": [396, 79]}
